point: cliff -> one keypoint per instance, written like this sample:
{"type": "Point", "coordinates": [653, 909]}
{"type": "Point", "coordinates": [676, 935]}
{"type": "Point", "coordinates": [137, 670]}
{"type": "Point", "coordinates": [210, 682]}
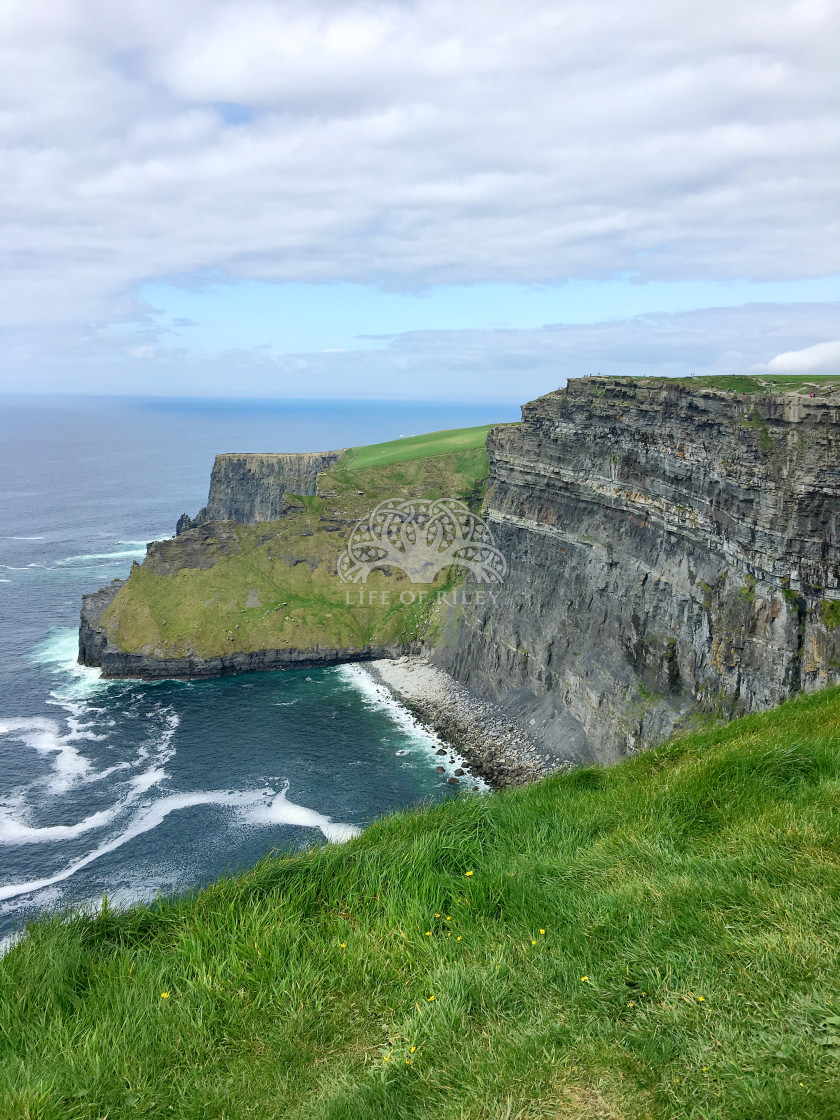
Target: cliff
{"type": "Point", "coordinates": [672, 548]}
{"type": "Point", "coordinates": [241, 593]}
{"type": "Point", "coordinates": [251, 488]}
{"type": "Point", "coordinates": [672, 551]}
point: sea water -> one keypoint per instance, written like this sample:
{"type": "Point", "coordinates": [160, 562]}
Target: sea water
{"type": "Point", "coordinates": [134, 789]}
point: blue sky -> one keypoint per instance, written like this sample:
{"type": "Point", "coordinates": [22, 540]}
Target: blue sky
{"type": "Point", "coordinates": [428, 200]}
{"type": "Point", "coordinates": [302, 318]}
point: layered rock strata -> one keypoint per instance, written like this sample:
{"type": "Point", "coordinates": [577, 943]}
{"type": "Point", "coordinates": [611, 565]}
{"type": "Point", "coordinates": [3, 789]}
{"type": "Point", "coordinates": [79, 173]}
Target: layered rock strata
{"type": "Point", "coordinates": [671, 551]}
{"type": "Point", "coordinates": [249, 488]}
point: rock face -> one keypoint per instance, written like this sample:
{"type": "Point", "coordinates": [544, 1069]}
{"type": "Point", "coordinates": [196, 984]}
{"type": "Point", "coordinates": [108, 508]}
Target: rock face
{"type": "Point", "coordinates": [251, 488]}
{"type": "Point", "coordinates": [670, 550]}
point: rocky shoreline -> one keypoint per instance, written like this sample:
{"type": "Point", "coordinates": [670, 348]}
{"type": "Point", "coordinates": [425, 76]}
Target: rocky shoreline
{"type": "Point", "coordinates": [496, 750]}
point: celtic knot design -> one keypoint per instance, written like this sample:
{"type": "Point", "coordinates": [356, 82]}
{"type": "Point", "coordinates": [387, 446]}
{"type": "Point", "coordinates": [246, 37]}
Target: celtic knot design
{"type": "Point", "coordinates": [421, 537]}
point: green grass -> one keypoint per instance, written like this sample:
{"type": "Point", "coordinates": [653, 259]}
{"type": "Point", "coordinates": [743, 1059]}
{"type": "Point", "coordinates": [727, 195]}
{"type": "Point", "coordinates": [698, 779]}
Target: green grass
{"type": "Point", "coordinates": [748, 383]}
{"type": "Point", "coordinates": [415, 447]}
{"type": "Point", "coordinates": [830, 613]}
{"type": "Point", "coordinates": [274, 585]}
{"type": "Point", "coordinates": [689, 965]}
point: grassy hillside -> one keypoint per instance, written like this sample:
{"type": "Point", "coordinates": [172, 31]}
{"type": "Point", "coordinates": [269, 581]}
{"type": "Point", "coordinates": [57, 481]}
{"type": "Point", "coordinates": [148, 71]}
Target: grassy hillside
{"type": "Point", "coordinates": [657, 940]}
{"type": "Point", "coordinates": [416, 447]}
{"type": "Point", "coordinates": [274, 585]}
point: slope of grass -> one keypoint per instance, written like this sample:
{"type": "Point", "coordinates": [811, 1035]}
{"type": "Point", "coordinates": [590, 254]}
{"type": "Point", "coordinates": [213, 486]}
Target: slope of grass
{"type": "Point", "coordinates": [657, 940]}
{"type": "Point", "coordinates": [415, 447]}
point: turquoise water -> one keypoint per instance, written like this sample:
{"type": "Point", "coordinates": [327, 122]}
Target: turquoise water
{"type": "Point", "coordinates": [131, 788]}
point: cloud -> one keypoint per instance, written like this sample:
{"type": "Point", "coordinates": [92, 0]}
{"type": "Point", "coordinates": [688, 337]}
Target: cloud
{"type": "Point", "coordinates": [408, 144]}
{"type": "Point", "coordinates": [822, 358]}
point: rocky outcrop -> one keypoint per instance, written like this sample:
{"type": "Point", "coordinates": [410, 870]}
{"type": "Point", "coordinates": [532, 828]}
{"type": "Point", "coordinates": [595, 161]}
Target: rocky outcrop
{"type": "Point", "coordinates": [671, 550]}
{"type": "Point", "coordinates": [251, 488]}
{"type": "Point", "coordinates": [97, 649]}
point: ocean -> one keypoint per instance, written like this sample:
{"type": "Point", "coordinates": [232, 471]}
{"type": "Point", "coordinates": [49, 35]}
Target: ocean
{"type": "Point", "coordinates": [135, 789]}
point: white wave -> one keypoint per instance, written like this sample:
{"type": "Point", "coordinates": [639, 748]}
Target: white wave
{"type": "Point", "coordinates": [124, 554]}
{"type": "Point", "coordinates": [26, 538]}
{"type": "Point", "coordinates": [5, 581]}
{"type": "Point", "coordinates": [277, 811]}
{"type": "Point", "coordinates": [60, 651]}
{"type": "Point", "coordinates": [377, 696]}
{"type": "Point", "coordinates": [283, 811]}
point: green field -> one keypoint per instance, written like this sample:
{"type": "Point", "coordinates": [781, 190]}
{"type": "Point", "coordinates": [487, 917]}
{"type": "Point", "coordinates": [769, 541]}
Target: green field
{"type": "Point", "coordinates": [415, 447]}
{"type": "Point", "coordinates": [656, 940]}
{"type": "Point", "coordinates": [749, 383]}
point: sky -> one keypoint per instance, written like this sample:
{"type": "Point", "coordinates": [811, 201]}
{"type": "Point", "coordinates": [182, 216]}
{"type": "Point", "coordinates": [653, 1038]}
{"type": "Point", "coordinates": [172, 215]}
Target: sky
{"type": "Point", "coordinates": [414, 198]}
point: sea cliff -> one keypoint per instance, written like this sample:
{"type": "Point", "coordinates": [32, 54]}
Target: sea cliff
{"type": "Point", "coordinates": [253, 487]}
{"type": "Point", "coordinates": [672, 551]}
{"type": "Point", "coordinates": [673, 554]}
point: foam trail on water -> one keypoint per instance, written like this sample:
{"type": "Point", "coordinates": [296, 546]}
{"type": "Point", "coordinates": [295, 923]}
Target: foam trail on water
{"type": "Point", "coordinates": [144, 821]}
{"type": "Point", "coordinates": [44, 736]}
{"type": "Point", "coordinates": [14, 832]}
{"type": "Point", "coordinates": [278, 811]}
{"type": "Point", "coordinates": [283, 811]}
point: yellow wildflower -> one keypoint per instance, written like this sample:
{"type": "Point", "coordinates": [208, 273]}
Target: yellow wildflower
{"type": "Point", "coordinates": [412, 1049]}
{"type": "Point", "coordinates": [164, 995]}
{"type": "Point", "coordinates": [631, 1005]}
{"type": "Point", "coordinates": [700, 999]}
{"type": "Point", "coordinates": [467, 874]}
{"type": "Point", "coordinates": [430, 999]}
{"type": "Point", "coordinates": [542, 931]}
{"type": "Point", "coordinates": [533, 942]}
{"type": "Point", "coordinates": [428, 933]}
{"type": "Point", "coordinates": [437, 915]}
{"type": "Point", "coordinates": [342, 945]}
{"type": "Point", "coordinates": [458, 938]}
{"type": "Point", "coordinates": [583, 979]}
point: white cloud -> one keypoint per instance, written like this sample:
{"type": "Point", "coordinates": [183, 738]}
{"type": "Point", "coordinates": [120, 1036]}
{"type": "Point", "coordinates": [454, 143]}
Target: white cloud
{"type": "Point", "coordinates": [408, 144]}
{"type": "Point", "coordinates": [822, 358]}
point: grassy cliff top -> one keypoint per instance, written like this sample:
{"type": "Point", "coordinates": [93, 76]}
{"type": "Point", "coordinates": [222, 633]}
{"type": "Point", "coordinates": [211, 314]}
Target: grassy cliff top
{"type": "Point", "coordinates": [652, 941]}
{"type": "Point", "coordinates": [750, 383]}
{"type": "Point", "coordinates": [426, 446]}
{"type": "Point", "coordinates": [226, 588]}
